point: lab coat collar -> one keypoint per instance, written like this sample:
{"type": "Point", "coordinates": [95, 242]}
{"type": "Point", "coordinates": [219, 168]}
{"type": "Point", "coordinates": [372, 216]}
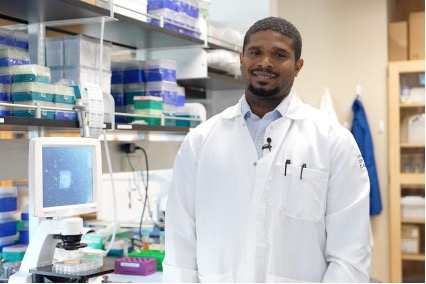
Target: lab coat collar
{"type": "Point", "coordinates": [296, 110]}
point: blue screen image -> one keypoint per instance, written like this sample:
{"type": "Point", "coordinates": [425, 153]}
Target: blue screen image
{"type": "Point", "coordinates": [67, 175]}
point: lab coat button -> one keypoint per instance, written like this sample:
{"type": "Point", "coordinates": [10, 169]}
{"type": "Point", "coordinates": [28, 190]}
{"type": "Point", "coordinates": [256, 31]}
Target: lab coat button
{"type": "Point", "coordinates": [255, 164]}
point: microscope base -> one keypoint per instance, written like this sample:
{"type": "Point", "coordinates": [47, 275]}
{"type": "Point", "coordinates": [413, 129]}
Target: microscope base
{"type": "Point", "coordinates": [45, 274]}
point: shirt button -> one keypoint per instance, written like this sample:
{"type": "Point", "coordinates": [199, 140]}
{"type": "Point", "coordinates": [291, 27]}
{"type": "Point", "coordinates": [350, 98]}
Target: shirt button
{"type": "Point", "coordinates": [255, 164]}
{"type": "Point", "coordinates": [244, 124]}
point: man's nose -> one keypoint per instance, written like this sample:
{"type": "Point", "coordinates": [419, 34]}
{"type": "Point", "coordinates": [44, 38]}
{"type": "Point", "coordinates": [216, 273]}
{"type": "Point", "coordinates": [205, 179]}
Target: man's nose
{"type": "Point", "coordinates": [265, 61]}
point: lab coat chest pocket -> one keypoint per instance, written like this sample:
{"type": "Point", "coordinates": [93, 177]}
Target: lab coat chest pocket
{"type": "Point", "coordinates": [303, 192]}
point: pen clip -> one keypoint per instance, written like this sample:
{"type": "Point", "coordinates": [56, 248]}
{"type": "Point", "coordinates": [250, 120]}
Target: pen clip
{"type": "Point", "coordinates": [287, 162]}
{"type": "Point", "coordinates": [301, 170]}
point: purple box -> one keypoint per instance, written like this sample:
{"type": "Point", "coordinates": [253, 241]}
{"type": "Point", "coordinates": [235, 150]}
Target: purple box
{"type": "Point", "coordinates": [135, 266]}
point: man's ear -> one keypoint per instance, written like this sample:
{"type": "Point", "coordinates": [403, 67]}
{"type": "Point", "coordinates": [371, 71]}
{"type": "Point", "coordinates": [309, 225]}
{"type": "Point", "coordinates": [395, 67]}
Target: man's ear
{"type": "Point", "coordinates": [299, 65]}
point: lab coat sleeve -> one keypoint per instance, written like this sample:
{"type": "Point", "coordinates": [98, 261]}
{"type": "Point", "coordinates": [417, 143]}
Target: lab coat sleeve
{"type": "Point", "coordinates": [347, 251]}
{"type": "Point", "coordinates": [180, 262]}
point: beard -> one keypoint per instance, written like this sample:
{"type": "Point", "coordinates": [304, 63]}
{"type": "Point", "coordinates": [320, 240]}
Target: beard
{"type": "Point", "coordinates": [262, 93]}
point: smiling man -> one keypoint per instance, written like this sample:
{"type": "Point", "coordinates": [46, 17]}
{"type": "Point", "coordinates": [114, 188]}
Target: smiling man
{"type": "Point", "coordinates": [271, 189]}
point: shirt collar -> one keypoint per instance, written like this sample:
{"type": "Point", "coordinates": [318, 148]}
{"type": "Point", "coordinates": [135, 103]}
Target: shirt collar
{"type": "Point", "coordinates": [281, 109]}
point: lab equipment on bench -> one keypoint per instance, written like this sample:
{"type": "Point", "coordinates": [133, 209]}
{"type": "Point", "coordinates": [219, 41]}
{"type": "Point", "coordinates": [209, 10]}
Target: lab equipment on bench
{"type": "Point", "coordinates": [64, 176]}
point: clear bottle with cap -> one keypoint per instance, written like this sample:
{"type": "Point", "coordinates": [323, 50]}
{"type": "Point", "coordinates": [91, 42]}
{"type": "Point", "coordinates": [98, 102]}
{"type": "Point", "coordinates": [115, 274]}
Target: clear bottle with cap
{"type": "Point", "coordinates": [162, 241]}
{"type": "Point", "coordinates": [145, 239]}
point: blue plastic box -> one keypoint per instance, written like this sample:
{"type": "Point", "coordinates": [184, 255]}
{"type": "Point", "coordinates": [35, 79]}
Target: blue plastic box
{"type": "Point", "coordinates": [162, 4]}
{"type": "Point", "coordinates": [7, 227]}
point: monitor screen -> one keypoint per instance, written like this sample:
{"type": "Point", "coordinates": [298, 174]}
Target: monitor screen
{"type": "Point", "coordinates": [64, 175]}
{"type": "Point", "coordinates": [67, 175]}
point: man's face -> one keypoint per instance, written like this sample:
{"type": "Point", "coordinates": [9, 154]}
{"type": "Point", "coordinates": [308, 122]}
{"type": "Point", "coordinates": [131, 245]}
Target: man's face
{"type": "Point", "coordinates": [268, 65]}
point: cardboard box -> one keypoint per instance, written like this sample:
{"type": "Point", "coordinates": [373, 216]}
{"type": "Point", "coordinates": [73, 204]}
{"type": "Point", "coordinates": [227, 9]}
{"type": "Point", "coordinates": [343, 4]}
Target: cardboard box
{"type": "Point", "coordinates": [416, 36]}
{"type": "Point", "coordinates": [410, 239]}
{"type": "Point", "coordinates": [398, 41]}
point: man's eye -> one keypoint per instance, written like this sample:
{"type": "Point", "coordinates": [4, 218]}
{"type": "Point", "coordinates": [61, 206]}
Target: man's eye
{"type": "Point", "coordinates": [254, 52]}
{"type": "Point", "coordinates": [281, 55]}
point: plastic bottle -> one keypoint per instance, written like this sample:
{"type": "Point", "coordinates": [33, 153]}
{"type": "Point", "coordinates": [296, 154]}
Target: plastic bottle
{"type": "Point", "coordinates": [145, 239]}
{"type": "Point", "coordinates": [162, 241]}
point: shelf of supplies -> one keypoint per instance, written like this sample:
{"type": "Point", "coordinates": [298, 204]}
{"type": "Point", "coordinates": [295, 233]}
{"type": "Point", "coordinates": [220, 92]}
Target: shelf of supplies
{"type": "Point", "coordinates": [13, 123]}
{"type": "Point", "coordinates": [413, 220]}
{"type": "Point", "coordinates": [413, 179]}
{"type": "Point", "coordinates": [415, 257]}
{"type": "Point", "coordinates": [126, 31]}
{"type": "Point", "coordinates": [214, 81]}
{"type": "Point", "coordinates": [152, 128]}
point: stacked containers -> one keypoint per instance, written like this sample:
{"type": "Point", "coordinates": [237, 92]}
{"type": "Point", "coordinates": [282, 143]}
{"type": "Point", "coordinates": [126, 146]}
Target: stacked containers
{"type": "Point", "coordinates": [31, 86]}
{"type": "Point", "coordinates": [13, 51]}
{"type": "Point", "coordinates": [75, 59]}
{"type": "Point", "coordinates": [117, 90]}
{"type": "Point", "coordinates": [133, 84]}
{"type": "Point", "coordinates": [64, 97]}
{"type": "Point", "coordinates": [178, 15]}
{"type": "Point", "coordinates": [8, 222]}
{"type": "Point", "coordinates": [161, 83]}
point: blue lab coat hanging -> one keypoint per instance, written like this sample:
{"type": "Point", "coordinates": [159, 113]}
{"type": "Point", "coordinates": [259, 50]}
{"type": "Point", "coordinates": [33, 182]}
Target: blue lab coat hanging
{"type": "Point", "coordinates": [361, 132]}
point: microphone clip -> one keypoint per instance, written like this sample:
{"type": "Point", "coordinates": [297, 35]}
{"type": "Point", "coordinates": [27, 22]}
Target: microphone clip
{"type": "Point", "coordinates": [267, 146]}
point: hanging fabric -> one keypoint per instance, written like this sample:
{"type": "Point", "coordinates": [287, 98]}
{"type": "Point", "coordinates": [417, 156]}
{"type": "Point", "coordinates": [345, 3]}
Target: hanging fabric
{"type": "Point", "coordinates": [326, 104]}
{"type": "Point", "coordinates": [362, 134]}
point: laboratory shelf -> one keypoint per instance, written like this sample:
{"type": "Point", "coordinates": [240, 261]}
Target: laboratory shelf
{"type": "Point", "coordinates": [124, 30]}
{"type": "Point", "coordinates": [152, 128]}
{"type": "Point", "coordinates": [214, 81]}
{"type": "Point", "coordinates": [12, 123]}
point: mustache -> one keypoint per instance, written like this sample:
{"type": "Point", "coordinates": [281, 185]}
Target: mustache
{"type": "Point", "coordinates": [263, 69]}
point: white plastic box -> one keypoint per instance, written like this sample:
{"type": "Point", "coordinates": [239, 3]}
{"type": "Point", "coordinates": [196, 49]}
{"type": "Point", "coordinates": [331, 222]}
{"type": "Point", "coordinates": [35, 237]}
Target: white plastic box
{"type": "Point", "coordinates": [55, 51]}
{"type": "Point", "coordinates": [413, 207]}
{"type": "Point", "coordinates": [416, 129]}
{"type": "Point", "coordinates": [80, 50]}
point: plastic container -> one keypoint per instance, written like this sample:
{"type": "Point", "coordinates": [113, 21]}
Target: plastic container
{"type": "Point", "coordinates": [7, 225]}
{"type": "Point", "coordinates": [55, 51]}
{"type": "Point", "coordinates": [80, 50]}
{"type": "Point", "coordinates": [416, 129]}
{"type": "Point", "coordinates": [13, 56]}
{"type": "Point", "coordinates": [162, 237]}
{"type": "Point", "coordinates": [145, 239]}
{"type": "Point", "coordinates": [135, 266]}
{"type": "Point", "coordinates": [14, 252]}
{"type": "Point", "coordinates": [30, 73]}
{"type": "Point", "coordinates": [159, 256]}
{"type": "Point", "coordinates": [31, 91]}
{"type": "Point", "coordinates": [8, 241]}
{"type": "Point", "coordinates": [413, 207]}
{"type": "Point", "coordinates": [73, 266]}
{"type": "Point", "coordinates": [133, 72]}
{"type": "Point", "coordinates": [160, 70]}
{"type": "Point", "coordinates": [117, 92]}
{"type": "Point", "coordinates": [8, 198]}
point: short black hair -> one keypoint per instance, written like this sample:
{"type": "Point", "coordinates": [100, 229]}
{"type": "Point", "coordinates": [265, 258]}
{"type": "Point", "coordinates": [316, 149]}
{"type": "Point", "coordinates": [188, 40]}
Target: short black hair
{"type": "Point", "coordinates": [279, 25]}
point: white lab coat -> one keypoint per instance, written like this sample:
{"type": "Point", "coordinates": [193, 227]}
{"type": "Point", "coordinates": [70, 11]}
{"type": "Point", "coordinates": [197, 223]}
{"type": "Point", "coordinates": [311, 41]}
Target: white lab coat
{"type": "Point", "coordinates": [232, 217]}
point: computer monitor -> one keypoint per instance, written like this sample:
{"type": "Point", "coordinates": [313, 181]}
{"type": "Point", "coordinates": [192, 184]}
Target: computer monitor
{"type": "Point", "coordinates": [64, 175]}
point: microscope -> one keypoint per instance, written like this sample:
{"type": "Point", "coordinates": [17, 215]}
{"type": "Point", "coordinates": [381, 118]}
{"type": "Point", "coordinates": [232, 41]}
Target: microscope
{"type": "Point", "coordinates": [52, 234]}
{"type": "Point", "coordinates": [64, 175]}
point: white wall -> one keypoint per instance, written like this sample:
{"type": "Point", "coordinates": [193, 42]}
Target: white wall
{"type": "Point", "coordinates": [345, 44]}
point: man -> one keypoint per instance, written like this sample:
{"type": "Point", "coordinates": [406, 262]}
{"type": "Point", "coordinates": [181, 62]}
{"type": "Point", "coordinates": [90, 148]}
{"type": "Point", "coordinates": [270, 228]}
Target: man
{"type": "Point", "coordinates": [271, 189]}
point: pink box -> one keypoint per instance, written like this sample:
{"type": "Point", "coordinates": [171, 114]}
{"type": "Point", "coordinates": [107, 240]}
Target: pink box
{"type": "Point", "coordinates": [135, 266]}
